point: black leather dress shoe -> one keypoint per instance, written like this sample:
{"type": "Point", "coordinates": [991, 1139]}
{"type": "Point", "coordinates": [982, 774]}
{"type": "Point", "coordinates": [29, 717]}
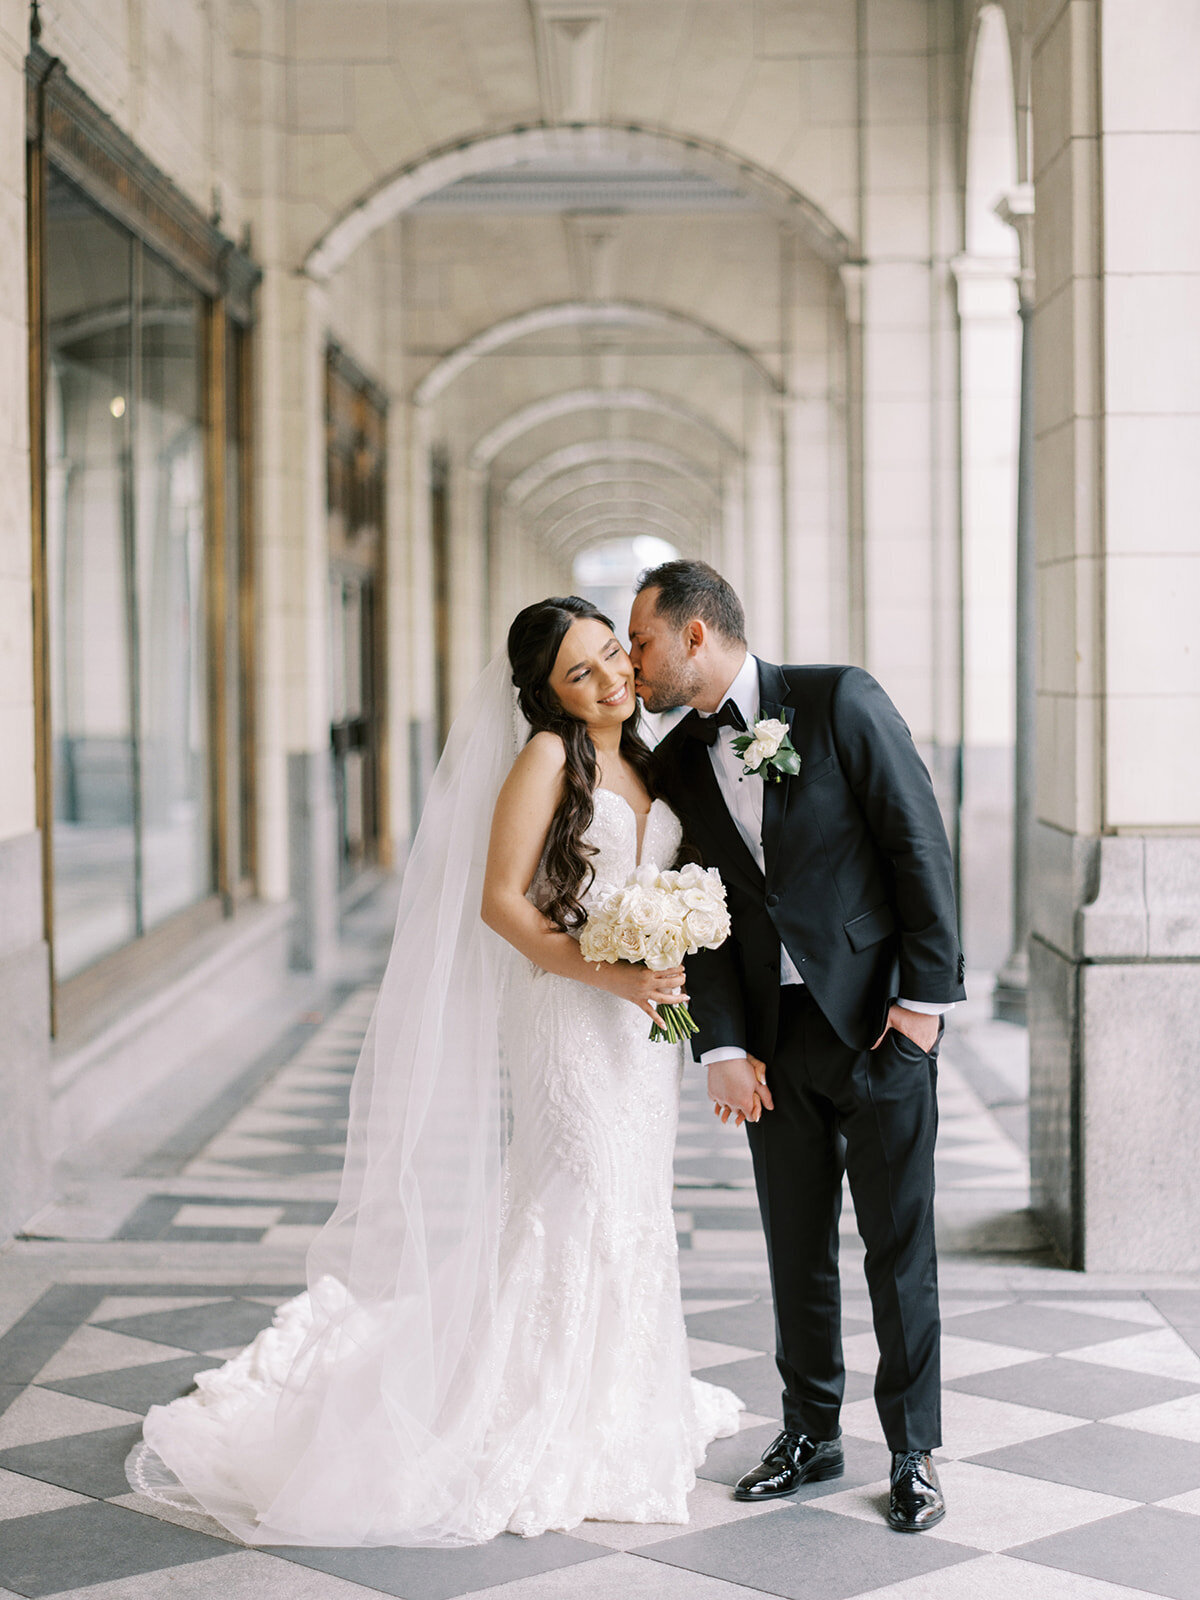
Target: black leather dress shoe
{"type": "Point", "coordinates": [916, 1501]}
{"type": "Point", "coordinates": [788, 1461]}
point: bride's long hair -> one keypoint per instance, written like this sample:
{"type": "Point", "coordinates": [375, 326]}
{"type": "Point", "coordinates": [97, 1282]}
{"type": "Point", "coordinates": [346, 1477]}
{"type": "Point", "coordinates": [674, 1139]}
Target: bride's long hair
{"type": "Point", "coordinates": [533, 641]}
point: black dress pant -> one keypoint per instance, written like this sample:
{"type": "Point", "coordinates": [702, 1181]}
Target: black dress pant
{"type": "Point", "coordinates": [872, 1114]}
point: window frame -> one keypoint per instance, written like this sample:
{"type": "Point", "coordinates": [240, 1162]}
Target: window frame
{"type": "Point", "coordinates": [67, 130]}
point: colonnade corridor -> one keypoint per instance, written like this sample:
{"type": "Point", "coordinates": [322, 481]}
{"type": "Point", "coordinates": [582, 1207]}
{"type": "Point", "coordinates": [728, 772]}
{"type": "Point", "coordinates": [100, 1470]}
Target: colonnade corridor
{"type": "Point", "coordinates": [1071, 1461]}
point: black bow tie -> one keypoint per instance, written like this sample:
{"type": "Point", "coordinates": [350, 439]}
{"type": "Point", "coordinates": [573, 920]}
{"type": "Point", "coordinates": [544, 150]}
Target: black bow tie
{"type": "Point", "coordinates": [706, 729]}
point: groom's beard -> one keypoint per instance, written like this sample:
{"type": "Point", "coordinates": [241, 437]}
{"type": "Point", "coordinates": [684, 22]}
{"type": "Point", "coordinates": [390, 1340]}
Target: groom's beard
{"type": "Point", "coordinates": [669, 690]}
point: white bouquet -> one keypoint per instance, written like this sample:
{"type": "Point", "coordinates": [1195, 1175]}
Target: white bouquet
{"type": "Point", "coordinates": [657, 918]}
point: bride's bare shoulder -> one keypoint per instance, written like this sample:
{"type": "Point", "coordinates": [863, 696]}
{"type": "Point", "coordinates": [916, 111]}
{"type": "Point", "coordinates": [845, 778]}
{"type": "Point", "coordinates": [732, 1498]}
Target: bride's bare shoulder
{"type": "Point", "coordinates": [537, 773]}
{"type": "Point", "coordinates": [544, 756]}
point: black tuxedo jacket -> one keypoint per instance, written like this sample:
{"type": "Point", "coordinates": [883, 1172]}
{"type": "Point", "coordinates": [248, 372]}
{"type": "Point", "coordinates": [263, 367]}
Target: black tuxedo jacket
{"type": "Point", "coordinates": [859, 884]}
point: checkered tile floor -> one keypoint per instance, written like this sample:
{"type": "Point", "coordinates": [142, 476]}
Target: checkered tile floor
{"type": "Point", "coordinates": [1072, 1458]}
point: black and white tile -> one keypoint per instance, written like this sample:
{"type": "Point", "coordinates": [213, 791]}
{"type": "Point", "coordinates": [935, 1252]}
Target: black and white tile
{"type": "Point", "coordinates": [1072, 1408]}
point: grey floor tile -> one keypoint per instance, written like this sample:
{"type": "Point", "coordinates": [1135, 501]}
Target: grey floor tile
{"type": "Point", "coordinates": [237, 1575]}
{"type": "Point", "coordinates": [8, 1393]}
{"type": "Point", "coordinates": [752, 1326]}
{"type": "Point", "coordinates": [207, 1327]}
{"type": "Point", "coordinates": [1078, 1388]}
{"type": "Point", "coordinates": [29, 1343]}
{"type": "Point", "coordinates": [213, 1235]}
{"type": "Point", "coordinates": [1177, 1305]}
{"type": "Point", "coordinates": [139, 1388]}
{"type": "Point", "coordinates": [727, 1217]}
{"type": "Point", "coordinates": [90, 1544]}
{"type": "Point", "coordinates": [808, 1554]}
{"type": "Point", "coordinates": [1120, 1461]}
{"type": "Point", "coordinates": [1150, 1548]}
{"type": "Point", "coordinates": [620, 1577]}
{"type": "Point", "coordinates": [444, 1574]}
{"type": "Point", "coordinates": [88, 1463]}
{"type": "Point", "coordinates": [150, 1219]}
{"type": "Point", "coordinates": [756, 1382]}
{"type": "Point", "coordinates": [288, 1166]}
{"type": "Point", "coordinates": [22, 1497]}
{"type": "Point", "coordinates": [1034, 1327]}
{"type": "Point", "coordinates": [714, 1169]}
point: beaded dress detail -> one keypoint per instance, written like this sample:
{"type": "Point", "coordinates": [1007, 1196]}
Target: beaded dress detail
{"type": "Point", "coordinates": [581, 1391]}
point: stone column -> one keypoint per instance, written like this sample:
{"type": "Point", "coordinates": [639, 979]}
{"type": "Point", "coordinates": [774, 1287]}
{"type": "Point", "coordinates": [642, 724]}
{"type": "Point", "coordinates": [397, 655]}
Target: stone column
{"type": "Point", "coordinates": [1009, 996]}
{"type": "Point", "coordinates": [300, 823]}
{"type": "Point", "coordinates": [989, 334]}
{"type": "Point", "coordinates": [1115, 952]}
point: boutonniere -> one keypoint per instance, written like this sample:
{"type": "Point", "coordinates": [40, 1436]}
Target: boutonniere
{"type": "Point", "coordinates": [767, 751]}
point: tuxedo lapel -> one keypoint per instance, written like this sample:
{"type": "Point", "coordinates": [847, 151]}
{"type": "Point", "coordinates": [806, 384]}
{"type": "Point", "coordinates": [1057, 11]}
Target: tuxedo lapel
{"type": "Point", "coordinates": [772, 697]}
{"type": "Point", "coordinates": [700, 781]}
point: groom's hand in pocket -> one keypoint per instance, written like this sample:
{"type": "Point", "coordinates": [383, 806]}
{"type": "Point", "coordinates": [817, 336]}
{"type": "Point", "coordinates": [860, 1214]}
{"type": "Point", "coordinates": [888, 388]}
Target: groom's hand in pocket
{"type": "Point", "coordinates": [738, 1089]}
{"type": "Point", "coordinates": [918, 1026]}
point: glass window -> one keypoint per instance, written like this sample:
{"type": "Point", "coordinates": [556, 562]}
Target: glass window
{"type": "Point", "coordinates": [89, 580]}
{"type": "Point", "coordinates": [168, 436]}
{"type": "Point", "coordinates": [126, 585]}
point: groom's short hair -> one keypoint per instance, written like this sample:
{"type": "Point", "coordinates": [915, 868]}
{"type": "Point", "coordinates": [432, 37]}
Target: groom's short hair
{"type": "Point", "coordinates": [688, 589]}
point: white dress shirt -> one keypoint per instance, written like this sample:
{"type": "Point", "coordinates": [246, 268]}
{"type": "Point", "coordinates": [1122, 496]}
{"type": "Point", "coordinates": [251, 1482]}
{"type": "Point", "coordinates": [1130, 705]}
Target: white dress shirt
{"type": "Point", "coordinates": [743, 798]}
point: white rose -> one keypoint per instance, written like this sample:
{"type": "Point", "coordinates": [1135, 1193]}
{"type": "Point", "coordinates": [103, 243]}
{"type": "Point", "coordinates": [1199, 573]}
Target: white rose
{"type": "Point", "coordinates": [673, 910]}
{"type": "Point", "coordinates": [692, 873]}
{"type": "Point", "coordinates": [707, 927]}
{"type": "Point", "coordinates": [645, 877]}
{"type": "Point", "coordinates": [756, 753]}
{"type": "Point", "coordinates": [597, 942]}
{"type": "Point", "coordinates": [630, 942]}
{"type": "Point", "coordinates": [770, 734]}
{"type": "Point", "coordinates": [639, 907]}
{"type": "Point", "coordinates": [701, 897]}
{"type": "Point", "coordinates": [668, 949]}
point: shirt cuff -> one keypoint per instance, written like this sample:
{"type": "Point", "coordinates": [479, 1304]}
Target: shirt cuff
{"type": "Point", "coordinates": [723, 1052]}
{"type": "Point", "coordinates": [928, 1008]}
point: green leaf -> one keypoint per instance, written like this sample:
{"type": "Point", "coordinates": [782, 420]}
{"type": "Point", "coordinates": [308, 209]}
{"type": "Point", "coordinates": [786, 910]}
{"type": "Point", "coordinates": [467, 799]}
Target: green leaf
{"type": "Point", "coordinates": [786, 760]}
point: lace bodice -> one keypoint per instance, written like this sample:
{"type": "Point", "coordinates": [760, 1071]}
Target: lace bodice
{"type": "Point", "coordinates": [613, 834]}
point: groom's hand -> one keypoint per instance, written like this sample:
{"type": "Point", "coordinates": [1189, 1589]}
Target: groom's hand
{"type": "Point", "coordinates": [739, 1088]}
{"type": "Point", "coordinates": [918, 1026]}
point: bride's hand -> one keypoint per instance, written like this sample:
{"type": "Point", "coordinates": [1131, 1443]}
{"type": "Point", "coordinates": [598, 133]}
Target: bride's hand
{"type": "Point", "coordinates": [644, 988]}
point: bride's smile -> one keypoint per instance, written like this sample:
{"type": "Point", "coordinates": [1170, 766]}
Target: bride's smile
{"type": "Point", "coordinates": [592, 676]}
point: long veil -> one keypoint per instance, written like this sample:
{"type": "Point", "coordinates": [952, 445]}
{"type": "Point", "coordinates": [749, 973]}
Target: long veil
{"type": "Point", "coordinates": [354, 1420]}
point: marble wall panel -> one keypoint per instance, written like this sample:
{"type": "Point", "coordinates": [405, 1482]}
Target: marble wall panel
{"type": "Point", "coordinates": [1140, 1117]}
{"type": "Point", "coordinates": [1053, 1097]}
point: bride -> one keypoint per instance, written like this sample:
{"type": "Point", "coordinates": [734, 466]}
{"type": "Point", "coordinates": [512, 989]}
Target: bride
{"type": "Point", "coordinates": [492, 1338]}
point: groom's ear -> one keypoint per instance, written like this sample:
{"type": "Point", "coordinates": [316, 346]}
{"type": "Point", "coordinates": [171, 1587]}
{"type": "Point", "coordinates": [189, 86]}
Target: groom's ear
{"type": "Point", "coordinates": [695, 635]}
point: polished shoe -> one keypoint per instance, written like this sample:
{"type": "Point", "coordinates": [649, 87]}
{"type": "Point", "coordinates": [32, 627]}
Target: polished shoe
{"type": "Point", "coordinates": [916, 1500]}
{"type": "Point", "coordinates": [789, 1461]}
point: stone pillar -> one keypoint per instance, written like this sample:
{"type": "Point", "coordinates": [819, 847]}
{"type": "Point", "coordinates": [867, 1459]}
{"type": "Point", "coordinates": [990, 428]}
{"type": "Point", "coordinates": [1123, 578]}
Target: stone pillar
{"type": "Point", "coordinates": [1012, 981]}
{"type": "Point", "coordinates": [295, 757]}
{"type": "Point", "coordinates": [1115, 951]}
{"type": "Point", "coordinates": [989, 334]}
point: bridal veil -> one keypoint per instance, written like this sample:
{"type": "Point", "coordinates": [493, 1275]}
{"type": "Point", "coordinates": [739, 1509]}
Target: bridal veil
{"type": "Point", "coordinates": [378, 1363]}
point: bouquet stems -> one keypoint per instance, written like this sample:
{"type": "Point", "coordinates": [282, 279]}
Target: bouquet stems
{"type": "Point", "coordinates": [679, 1025]}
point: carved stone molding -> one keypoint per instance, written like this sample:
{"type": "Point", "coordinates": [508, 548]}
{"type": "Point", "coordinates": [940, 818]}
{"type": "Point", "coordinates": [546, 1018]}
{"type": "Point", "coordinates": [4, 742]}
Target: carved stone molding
{"type": "Point", "coordinates": [572, 53]}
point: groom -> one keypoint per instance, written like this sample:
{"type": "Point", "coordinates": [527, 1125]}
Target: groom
{"type": "Point", "coordinates": [843, 956]}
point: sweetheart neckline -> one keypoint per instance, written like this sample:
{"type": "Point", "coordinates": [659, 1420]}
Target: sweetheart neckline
{"type": "Point", "coordinates": [601, 789]}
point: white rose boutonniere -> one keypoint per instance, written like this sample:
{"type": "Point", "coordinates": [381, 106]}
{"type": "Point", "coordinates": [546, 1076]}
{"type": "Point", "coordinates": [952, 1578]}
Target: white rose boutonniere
{"type": "Point", "coordinates": [767, 751]}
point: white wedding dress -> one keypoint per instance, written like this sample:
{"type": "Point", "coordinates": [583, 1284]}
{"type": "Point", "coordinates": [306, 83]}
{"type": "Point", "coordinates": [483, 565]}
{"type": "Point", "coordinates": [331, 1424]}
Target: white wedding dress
{"type": "Point", "coordinates": [572, 1396]}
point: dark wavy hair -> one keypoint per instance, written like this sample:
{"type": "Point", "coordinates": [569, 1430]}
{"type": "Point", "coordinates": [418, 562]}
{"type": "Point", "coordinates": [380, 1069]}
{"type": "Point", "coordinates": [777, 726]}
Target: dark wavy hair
{"type": "Point", "coordinates": [533, 642]}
